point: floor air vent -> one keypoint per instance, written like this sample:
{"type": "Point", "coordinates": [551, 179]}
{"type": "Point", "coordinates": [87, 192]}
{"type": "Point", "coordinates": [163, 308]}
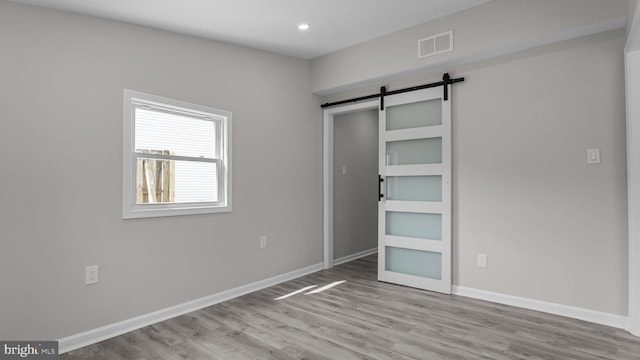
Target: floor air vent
{"type": "Point", "coordinates": [436, 44]}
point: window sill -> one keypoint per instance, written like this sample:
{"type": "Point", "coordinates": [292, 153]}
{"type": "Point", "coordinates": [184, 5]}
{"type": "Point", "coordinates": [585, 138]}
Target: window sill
{"type": "Point", "coordinates": [140, 212]}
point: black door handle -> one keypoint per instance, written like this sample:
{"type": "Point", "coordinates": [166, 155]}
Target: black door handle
{"type": "Point", "coordinates": [380, 181]}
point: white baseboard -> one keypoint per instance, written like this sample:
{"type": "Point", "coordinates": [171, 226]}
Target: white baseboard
{"type": "Point", "coordinates": [106, 332]}
{"type": "Point", "coordinates": [613, 320]}
{"type": "Point", "coordinates": [355, 256]}
{"type": "Point", "coordinates": [93, 336]}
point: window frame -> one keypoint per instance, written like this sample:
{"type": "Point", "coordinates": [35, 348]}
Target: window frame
{"type": "Point", "coordinates": [223, 120]}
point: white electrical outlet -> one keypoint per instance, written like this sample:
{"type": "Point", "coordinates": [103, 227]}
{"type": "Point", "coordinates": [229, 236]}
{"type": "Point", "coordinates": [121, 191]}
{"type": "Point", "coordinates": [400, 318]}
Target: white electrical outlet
{"type": "Point", "coordinates": [482, 260]}
{"type": "Point", "coordinates": [91, 275]}
{"type": "Point", "coordinates": [263, 241]}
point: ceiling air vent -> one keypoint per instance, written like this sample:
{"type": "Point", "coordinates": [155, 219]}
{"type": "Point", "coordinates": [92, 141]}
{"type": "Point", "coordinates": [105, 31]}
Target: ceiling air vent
{"type": "Point", "coordinates": [436, 44]}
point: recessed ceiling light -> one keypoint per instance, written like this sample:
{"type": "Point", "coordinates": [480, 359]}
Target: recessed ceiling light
{"type": "Point", "coordinates": [303, 26]}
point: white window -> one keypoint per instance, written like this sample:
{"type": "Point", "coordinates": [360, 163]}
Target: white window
{"type": "Point", "coordinates": [177, 157]}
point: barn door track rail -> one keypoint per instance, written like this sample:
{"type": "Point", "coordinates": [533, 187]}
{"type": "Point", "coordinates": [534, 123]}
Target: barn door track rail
{"type": "Point", "coordinates": [446, 80]}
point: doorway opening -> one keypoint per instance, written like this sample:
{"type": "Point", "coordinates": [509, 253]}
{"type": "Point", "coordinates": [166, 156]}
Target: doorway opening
{"type": "Point", "coordinates": [350, 154]}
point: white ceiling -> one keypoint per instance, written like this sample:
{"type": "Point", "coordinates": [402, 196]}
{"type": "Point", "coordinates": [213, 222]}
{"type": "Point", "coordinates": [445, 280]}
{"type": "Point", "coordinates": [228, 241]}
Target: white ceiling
{"type": "Point", "coordinates": [271, 24]}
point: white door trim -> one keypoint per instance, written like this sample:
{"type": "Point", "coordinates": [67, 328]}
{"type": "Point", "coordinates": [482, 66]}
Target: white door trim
{"type": "Point", "coordinates": [327, 177]}
{"type": "Point", "coordinates": [632, 62]}
{"type": "Point", "coordinates": [632, 77]}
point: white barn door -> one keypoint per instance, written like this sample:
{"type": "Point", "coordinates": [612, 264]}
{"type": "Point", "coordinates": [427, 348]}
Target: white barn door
{"type": "Point", "coordinates": [414, 211]}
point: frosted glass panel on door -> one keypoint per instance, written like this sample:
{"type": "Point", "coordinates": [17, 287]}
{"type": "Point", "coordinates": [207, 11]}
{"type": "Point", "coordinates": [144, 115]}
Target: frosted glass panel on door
{"type": "Point", "coordinates": [414, 188]}
{"type": "Point", "coordinates": [412, 152]}
{"type": "Point", "coordinates": [414, 225]}
{"type": "Point", "coordinates": [417, 114]}
{"type": "Point", "coordinates": [414, 262]}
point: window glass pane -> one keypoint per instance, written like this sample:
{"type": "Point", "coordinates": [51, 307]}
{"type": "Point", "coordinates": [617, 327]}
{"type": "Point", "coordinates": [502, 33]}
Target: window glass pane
{"type": "Point", "coordinates": [169, 181]}
{"type": "Point", "coordinates": [418, 151]}
{"type": "Point", "coordinates": [414, 262]}
{"type": "Point", "coordinates": [414, 188]}
{"type": "Point", "coordinates": [418, 114]}
{"type": "Point", "coordinates": [180, 135]}
{"type": "Point", "coordinates": [414, 225]}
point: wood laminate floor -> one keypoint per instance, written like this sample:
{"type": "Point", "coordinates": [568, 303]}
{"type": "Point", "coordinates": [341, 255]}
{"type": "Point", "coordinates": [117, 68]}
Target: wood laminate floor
{"type": "Point", "coordinates": [362, 318]}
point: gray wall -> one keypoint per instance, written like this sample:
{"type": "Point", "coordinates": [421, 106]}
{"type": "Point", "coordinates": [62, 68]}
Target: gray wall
{"type": "Point", "coordinates": [553, 227]}
{"type": "Point", "coordinates": [633, 38]}
{"type": "Point", "coordinates": [633, 4]}
{"type": "Point", "coordinates": [355, 205]}
{"type": "Point", "coordinates": [497, 27]}
{"type": "Point", "coordinates": [61, 183]}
